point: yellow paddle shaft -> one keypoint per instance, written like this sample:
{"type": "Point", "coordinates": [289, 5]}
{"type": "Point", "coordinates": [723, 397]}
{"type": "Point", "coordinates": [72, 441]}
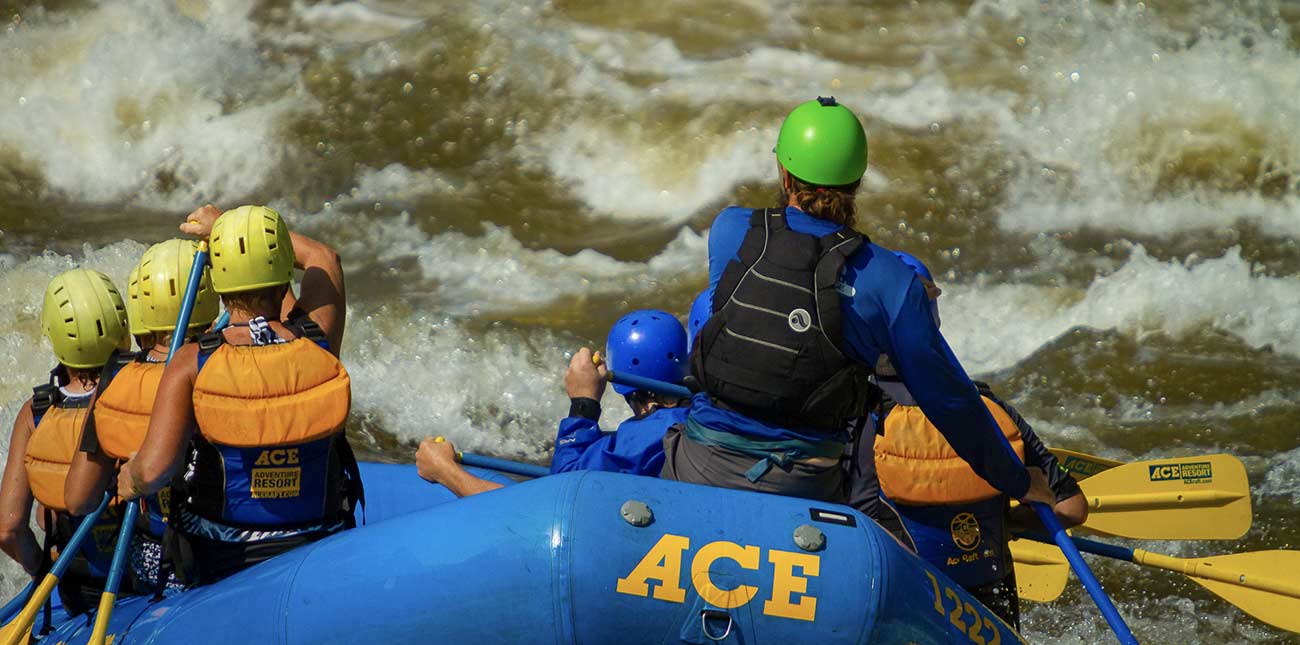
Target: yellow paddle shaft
{"type": "Point", "coordinates": [22, 624]}
{"type": "Point", "coordinates": [1161, 500]}
{"type": "Point", "coordinates": [106, 601]}
{"type": "Point", "coordinates": [1037, 557]}
{"type": "Point", "coordinates": [1201, 569]}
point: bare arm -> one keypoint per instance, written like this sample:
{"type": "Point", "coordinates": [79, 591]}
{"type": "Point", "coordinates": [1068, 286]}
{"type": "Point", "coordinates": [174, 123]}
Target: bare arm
{"type": "Point", "coordinates": [324, 297]}
{"type": "Point", "coordinates": [87, 480]}
{"type": "Point", "coordinates": [170, 425]}
{"type": "Point", "coordinates": [16, 537]}
{"type": "Point", "coordinates": [436, 462]}
{"type": "Point", "coordinates": [1071, 511]}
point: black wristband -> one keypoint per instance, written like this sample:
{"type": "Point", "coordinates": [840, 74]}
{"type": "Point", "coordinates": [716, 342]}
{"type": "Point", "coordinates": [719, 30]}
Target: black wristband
{"type": "Point", "coordinates": [584, 407]}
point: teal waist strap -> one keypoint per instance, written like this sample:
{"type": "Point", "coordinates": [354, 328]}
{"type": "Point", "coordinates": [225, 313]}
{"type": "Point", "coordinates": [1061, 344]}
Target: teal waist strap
{"type": "Point", "coordinates": [781, 452]}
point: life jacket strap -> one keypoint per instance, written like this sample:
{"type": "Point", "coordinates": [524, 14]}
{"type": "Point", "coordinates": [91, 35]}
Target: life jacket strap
{"type": "Point", "coordinates": [782, 452]}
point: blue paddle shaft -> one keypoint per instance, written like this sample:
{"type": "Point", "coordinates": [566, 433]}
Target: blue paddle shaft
{"type": "Point", "coordinates": [16, 605]}
{"type": "Point", "coordinates": [1087, 546]}
{"type": "Point", "coordinates": [503, 465]}
{"type": "Point", "coordinates": [87, 523]}
{"type": "Point", "coordinates": [1062, 539]}
{"type": "Point", "coordinates": [222, 321]}
{"type": "Point", "coordinates": [187, 305]}
{"type": "Point", "coordinates": [114, 581]}
{"type": "Point", "coordinates": [642, 383]}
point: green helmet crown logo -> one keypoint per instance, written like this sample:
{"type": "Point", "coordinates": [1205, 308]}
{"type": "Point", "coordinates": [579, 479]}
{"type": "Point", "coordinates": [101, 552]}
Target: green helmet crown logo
{"type": "Point", "coordinates": [823, 143]}
{"type": "Point", "coordinates": [164, 272]}
{"type": "Point", "coordinates": [84, 317]}
{"type": "Point", "coordinates": [250, 250]}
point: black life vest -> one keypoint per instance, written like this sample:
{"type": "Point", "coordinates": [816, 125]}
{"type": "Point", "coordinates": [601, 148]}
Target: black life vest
{"type": "Point", "coordinates": [772, 348]}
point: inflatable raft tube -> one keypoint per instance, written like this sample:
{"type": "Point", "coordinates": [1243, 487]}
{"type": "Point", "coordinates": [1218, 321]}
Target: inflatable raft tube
{"type": "Point", "coordinates": [584, 557]}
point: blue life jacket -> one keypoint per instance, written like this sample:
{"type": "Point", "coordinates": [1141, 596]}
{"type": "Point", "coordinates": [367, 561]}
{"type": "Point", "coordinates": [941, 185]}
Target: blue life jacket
{"type": "Point", "coordinates": [965, 541]}
{"type": "Point", "coordinates": [270, 452]}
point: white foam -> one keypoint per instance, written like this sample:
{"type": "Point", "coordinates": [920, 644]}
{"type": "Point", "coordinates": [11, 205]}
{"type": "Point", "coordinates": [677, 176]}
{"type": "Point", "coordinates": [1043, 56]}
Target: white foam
{"type": "Point", "coordinates": [126, 92]}
{"type": "Point", "coordinates": [351, 21]}
{"type": "Point", "coordinates": [1283, 476]}
{"type": "Point", "coordinates": [494, 273]}
{"type": "Point", "coordinates": [623, 160]}
{"type": "Point", "coordinates": [506, 397]}
{"type": "Point", "coordinates": [624, 171]}
{"type": "Point", "coordinates": [1110, 118]}
{"type": "Point", "coordinates": [1144, 295]}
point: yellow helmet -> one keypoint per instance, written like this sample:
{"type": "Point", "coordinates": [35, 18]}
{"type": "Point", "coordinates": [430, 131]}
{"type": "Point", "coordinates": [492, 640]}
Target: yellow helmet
{"type": "Point", "coordinates": [250, 250]}
{"type": "Point", "coordinates": [84, 318]}
{"type": "Point", "coordinates": [164, 273]}
{"type": "Point", "coordinates": [134, 317]}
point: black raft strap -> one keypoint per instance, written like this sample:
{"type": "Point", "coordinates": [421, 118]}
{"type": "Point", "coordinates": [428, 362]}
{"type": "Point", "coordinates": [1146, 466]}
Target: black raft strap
{"type": "Point", "coordinates": [354, 489]}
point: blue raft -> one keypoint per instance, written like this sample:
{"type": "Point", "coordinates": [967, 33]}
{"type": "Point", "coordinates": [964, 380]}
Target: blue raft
{"type": "Point", "coordinates": [583, 557]}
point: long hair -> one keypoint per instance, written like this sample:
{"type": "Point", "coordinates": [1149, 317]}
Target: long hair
{"type": "Point", "coordinates": [831, 203]}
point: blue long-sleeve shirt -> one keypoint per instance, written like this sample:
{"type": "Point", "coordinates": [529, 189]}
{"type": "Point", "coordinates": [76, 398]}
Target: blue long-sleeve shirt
{"type": "Point", "coordinates": [885, 310]}
{"type": "Point", "coordinates": [637, 448]}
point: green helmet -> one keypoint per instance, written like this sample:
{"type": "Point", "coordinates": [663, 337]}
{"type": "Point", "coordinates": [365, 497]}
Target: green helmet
{"type": "Point", "coordinates": [250, 250]}
{"type": "Point", "coordinates": [84, 318]}
{"type": "Point", "coordinates": [134, 316]}
{"type": "Point", "coordinates": [823, 143]}
{"type": "Point", "coordinates": [164, 273]}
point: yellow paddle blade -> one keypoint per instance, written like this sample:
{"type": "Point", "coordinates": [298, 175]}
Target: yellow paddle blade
{"type": "Point", "coordinates": [1192, 498]}
{"type": "Point", "coordinates": [1264, 584]}
{"type": "Point", "coordinates": [1041, 570]}
{"type": "Point", "coordinates": [1083, 466]}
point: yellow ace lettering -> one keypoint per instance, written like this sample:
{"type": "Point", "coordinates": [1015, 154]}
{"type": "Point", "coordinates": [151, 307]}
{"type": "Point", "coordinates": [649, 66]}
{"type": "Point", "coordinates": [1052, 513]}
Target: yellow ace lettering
{"type": "Point", "coordinates": [662, 563]}
{"type": "Point", "coordinates": [786, 585]}
{"type": "Point", "coordinates": [746, 557]}
{"type": "Point", "coordinates": [278, 457]}
{"type": "Point", "coordinates": [789, 597]}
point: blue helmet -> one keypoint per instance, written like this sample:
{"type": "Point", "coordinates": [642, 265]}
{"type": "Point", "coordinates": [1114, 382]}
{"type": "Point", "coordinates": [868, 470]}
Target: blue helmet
{"type": "Point", "coordinates": [917, 265]}
{"type": "Point", "coordinates": [701, 310]}
{"type": "Point", "coordinates": [648, 343]}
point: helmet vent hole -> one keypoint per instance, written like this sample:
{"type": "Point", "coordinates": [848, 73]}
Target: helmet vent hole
{"type": "Point", "coordinates": [636, 361]}
{"type": "Point", "coordinates": [672, 356]}
{"type": "Point", "coordinates": [68, 319]}
{"type": "Point", "coordinates": [99, 327]}
{"type": "Point", "coordinates": [241, 246]}
{"type": "Point", "coordinates": [172, 284]}
{"type": "Point", "coordinates": [634, 322]}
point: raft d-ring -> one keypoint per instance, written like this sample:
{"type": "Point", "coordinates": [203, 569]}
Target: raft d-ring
{"type": "Point", "coordinates": [716, 615]}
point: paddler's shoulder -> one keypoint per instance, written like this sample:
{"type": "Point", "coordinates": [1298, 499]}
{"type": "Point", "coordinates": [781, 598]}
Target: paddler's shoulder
{"type": "Point", "coordinates": [876, 265]}
{"type": "Point", "coordinates": [186, 358]}
{"type": "Point", "coordinates": [732, 217]}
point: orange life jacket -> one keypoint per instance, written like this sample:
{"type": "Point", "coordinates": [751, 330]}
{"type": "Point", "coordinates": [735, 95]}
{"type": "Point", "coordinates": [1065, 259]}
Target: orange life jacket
{"type": "Point", "coordinates": [916, 464]}
{"type": "Point", "coordinates": [122, 412]}
{"type": "Point", "coordinates": [271, 427]}
{"type": "Point", "coordinates": [271, 395]}
{"type": "Point", "coordinates": [54, 442]}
